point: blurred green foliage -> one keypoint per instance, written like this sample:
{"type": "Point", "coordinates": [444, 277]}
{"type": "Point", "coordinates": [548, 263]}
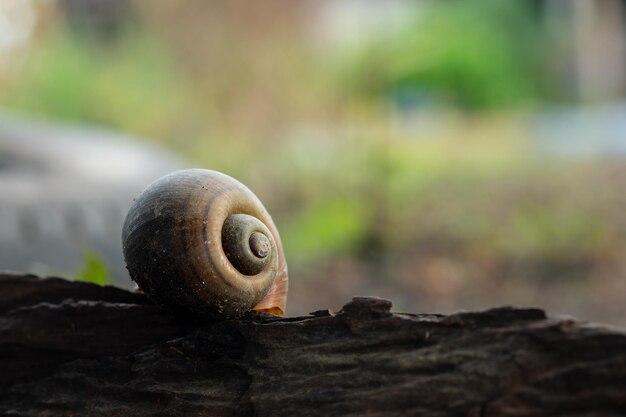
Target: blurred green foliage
{"type": "Point", "coordinates": [478, 54]}
{"type": "Point", "coordinates": [540, 231]}
{"type": "Point", "coordinates": [330, 227]}
{"type": "Point", "coordinates": [314, 135]}
{"type": "Point", "coordinates": [94, 271]}
{"type": "Point", "coordinates": [127, 84]}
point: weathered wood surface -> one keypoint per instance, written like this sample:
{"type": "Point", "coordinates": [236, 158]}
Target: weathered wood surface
{"type": "Point", "coordinates": [77, 349]}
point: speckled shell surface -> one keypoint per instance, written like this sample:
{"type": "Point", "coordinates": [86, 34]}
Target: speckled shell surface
{"type": "Point", "coordinates": [172, 241]}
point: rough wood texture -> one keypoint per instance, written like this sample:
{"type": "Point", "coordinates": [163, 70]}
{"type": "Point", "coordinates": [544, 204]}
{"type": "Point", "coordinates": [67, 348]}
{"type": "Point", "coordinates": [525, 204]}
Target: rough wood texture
{"type": "Point", "coordinates": [77, 349]}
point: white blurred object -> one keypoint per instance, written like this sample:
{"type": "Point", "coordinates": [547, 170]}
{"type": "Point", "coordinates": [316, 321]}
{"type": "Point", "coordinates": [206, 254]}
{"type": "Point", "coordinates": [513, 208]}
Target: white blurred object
{"type": "Point", "coordinates": [65, 191]}
{"type": "Point", "coordinates": [17, 23]}
{"type": "Point", "coordinates": [598, 131]}
{"type": "Point", "coordinates": [18, 19]}
{"type": "Point", "coordinates": [343, 24]}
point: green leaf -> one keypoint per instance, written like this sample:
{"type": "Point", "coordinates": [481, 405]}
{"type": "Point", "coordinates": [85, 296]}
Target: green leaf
{"type": "Point", "coordinates": [94, 271]}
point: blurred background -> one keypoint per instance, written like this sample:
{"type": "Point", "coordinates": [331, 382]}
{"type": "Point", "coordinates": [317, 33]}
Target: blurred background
{"type": "Point", "coordinates": [447, 155]}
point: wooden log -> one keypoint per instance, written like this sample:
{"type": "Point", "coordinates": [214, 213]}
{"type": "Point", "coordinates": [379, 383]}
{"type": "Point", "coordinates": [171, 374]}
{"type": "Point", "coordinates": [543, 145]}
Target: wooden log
{"type": "Point", "coordinates": [70, 348]}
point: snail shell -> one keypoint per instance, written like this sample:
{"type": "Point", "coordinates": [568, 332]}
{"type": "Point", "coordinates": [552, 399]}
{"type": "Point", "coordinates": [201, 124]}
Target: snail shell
{"type": "Point", "coordinates": [198, 241]}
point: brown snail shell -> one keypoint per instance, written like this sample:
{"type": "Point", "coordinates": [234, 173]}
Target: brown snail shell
{"type": "Point", "coordinates": [198, 241]}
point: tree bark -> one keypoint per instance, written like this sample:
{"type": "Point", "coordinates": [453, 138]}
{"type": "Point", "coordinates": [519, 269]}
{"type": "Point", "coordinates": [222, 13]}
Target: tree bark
{"type": "Point", "coordinates": [70, 348]}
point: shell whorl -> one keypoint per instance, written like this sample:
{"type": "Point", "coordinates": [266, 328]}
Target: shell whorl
{"type": "Point", "coordinates": [247, 243]}
{"type": "Point", "coordinates": [200, 241]}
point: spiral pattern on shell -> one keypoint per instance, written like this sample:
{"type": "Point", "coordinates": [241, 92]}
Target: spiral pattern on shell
{"type": "Point", "coordinates": [198, 241]}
